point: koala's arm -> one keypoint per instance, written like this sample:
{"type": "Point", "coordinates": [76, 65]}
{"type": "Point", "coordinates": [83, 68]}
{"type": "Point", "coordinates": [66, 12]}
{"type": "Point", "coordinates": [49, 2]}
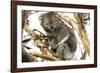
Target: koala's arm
{"type": "Point", "coordinates": [72, 42]}
{"type": "Point", "coordinates": [67, 48]}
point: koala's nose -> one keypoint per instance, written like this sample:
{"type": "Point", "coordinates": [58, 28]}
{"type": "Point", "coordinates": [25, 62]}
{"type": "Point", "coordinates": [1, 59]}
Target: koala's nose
{"type": "Point", "coordinates": [55, 29]}
{"type": "Point", "coordinates": [51, 27]}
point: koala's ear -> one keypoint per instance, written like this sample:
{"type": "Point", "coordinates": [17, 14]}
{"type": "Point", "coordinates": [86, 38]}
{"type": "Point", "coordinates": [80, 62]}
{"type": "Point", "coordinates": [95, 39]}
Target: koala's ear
{"type": "Point", "coordinates": [40, 17]}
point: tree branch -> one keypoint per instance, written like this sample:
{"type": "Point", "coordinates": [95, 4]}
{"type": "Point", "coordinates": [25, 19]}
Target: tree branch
{"type": "Point", "coordinates": [82, 34]}
{"type": "Point", "coordinates": [47, 57]}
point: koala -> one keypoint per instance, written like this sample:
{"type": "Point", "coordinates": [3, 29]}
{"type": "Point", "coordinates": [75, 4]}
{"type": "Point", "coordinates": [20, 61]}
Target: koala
{"type": "Point", "coordinates": [62, 38]}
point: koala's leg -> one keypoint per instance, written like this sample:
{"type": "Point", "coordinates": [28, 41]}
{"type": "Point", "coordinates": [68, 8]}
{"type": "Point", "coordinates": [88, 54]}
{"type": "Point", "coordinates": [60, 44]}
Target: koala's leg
{"type": "Point", "coordinates": [64, 52]}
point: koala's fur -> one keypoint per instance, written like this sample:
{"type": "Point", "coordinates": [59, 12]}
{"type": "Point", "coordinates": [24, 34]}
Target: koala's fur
{"type": "Point", "coordinates": [56, 31]}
